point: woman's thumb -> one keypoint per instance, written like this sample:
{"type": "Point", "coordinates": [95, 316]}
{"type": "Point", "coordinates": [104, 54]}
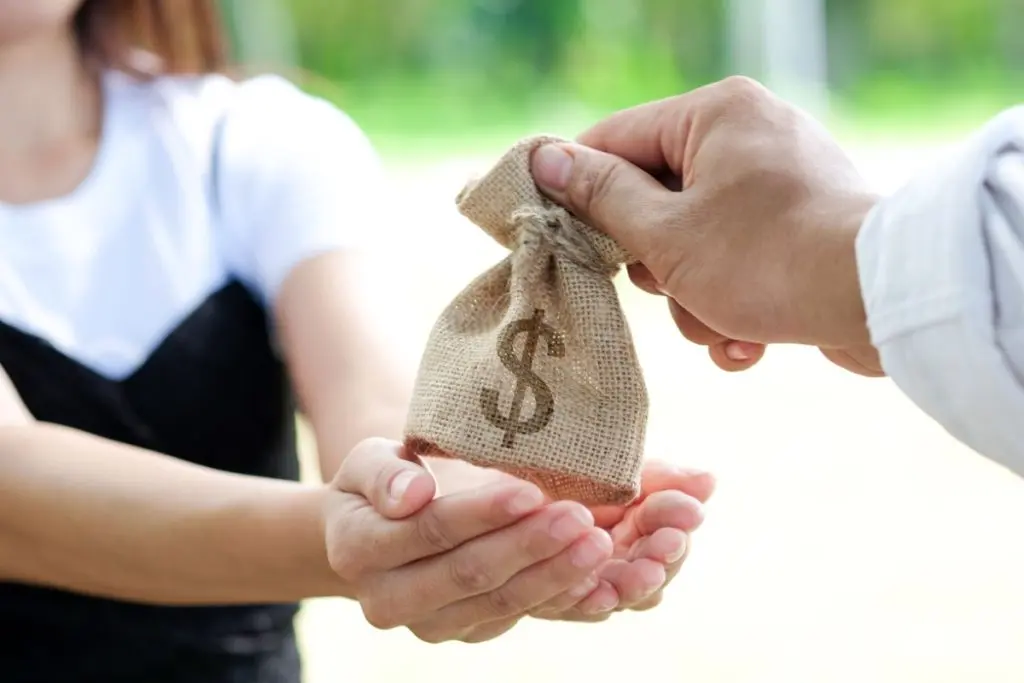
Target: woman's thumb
{"type": "Point", "coordinates": [604, 191]}
{"type": "Point", "coordinates": [389, 476]}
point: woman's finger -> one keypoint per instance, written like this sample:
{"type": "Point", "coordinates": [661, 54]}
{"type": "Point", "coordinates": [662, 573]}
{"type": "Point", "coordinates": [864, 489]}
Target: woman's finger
{"type": "Point", "coordinates": [667, 546]}
{"type": "Point", "coordinates": [361, 541]}
{"type": "Point", "coordinates": [662, 509]}
{"type": "Point", "coordinates": [634, 581]}
{"type": "Point", "coordinates": [667, 509]}
{"type": "Point", "coordinates": [414, 592]}
{"type": "Point", "coordinates": [528, 589]}
{"type": "Point", "coordinates": [660, 475]}
{"type": "Point", "coordinates": [598, 605]}
{"type": "Point", "coordinates": [490, 630]}
{"type": "Point", "coordinates": [568, 599]}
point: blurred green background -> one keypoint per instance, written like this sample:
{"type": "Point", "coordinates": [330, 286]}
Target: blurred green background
{"type": "Point", "coordinates": [850, 540]}
{"type": "Point", "coordinates": [421, 71]}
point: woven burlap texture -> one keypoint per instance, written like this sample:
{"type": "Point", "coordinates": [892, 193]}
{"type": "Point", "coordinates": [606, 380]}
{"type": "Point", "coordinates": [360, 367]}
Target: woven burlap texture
{"type": "Point", "coordinates": [531, 369]}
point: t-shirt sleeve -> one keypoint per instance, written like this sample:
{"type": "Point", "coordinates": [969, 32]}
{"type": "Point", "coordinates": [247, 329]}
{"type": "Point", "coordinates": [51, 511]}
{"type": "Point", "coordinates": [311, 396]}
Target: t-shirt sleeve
{"type": "Point", "coordinates": [294, 177]}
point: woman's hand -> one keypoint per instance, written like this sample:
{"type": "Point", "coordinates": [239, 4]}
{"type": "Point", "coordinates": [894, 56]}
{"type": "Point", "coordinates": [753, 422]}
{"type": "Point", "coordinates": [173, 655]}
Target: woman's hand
{"type": "Point", "coordinates": [464, 566]}
{"type": "Point", "coordinates": [651, 537]}
{"type": "Point", "coordinates": [758, 247]}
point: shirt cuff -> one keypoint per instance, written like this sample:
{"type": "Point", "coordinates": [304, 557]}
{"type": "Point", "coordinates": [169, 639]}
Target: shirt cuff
{"type": "Point", "coordinates": [925, 274]}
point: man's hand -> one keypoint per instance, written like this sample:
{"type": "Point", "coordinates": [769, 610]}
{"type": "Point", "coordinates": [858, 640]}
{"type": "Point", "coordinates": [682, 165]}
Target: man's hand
{"type": "Point", "coordinates": [757, 248]}
{"type": "Point", "coordinates": [464, 566]}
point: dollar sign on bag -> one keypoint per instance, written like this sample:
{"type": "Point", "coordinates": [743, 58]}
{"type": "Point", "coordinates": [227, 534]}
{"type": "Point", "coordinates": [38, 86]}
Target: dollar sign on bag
{"type": "Point", "coordinates": [522, 368]}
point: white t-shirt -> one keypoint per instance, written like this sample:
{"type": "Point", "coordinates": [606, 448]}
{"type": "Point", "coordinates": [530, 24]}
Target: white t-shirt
{"type": "Point", "coordinates": [198, 181]}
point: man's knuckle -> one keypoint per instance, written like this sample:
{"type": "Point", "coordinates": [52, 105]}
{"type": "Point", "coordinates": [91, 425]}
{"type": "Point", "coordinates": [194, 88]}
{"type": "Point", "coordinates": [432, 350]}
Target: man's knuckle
{"type": "Point", "coordinates": [469, 573]}
{"type": "Point", "coordinates": [742, 86]}
{"type": "Point", "coordinates": [738, 96]}
{"type": "Point", "coordinates": [603, 183]}
{"type": "Point", "coordinates": [433, 531]}
{"type": "Point", "coordinates": [591, 185]}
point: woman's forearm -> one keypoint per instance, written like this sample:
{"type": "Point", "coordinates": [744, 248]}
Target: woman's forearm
{"type": "Point", "coordinates": [86, 514]}
{"type": "Point", "coordinates": [349, 376]}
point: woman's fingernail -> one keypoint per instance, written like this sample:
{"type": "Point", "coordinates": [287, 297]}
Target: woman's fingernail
{"type": "Point", "coordinates": [552, 167]}
{"type": "Point", "coordinates": [735, 351]}
{"type": "Point", "coordinates": [526, 501]}
{"type": "Point", "coordinates": [571, 524]}
{"type": "Point", "coordinates": [583, 588]}
{"type": "Point", "coordinates": [677, 553]}
{"type": "Point", "coordinates": [400, 484]}
{"type": "Point", "coordinates": [605, 604]}
{"type": "Point", "coordinates": [589, 552]}
{"type": "Point", "coordinates": [685, 471]}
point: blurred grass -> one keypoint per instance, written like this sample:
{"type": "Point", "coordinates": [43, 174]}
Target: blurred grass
{"type": "Point", "coordinates": [894, 106]}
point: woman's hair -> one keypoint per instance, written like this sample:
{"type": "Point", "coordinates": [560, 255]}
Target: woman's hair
{"type": "Point", "coordinates": [185, 36]}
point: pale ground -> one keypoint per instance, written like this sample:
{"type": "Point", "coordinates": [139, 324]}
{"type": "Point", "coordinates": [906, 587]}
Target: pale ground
{"type": "Point", "coordinates": [850, 540]}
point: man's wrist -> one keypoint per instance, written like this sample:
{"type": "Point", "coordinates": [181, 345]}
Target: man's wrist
{"type": "Point", "coordinates": [829, 289]}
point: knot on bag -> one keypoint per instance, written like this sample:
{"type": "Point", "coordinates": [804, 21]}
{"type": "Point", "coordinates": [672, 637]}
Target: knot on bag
{"type": "Point", "coordinates": [553, 229]}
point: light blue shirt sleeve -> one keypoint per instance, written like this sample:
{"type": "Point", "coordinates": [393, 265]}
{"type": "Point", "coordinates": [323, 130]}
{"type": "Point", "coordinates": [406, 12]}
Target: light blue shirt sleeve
{"type": "Point", "coordinates": [941, 266]}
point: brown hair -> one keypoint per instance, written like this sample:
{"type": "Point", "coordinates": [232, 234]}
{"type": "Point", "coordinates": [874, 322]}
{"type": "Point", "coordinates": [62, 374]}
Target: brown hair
{"type": "Point", "coordinates": [186, 36]}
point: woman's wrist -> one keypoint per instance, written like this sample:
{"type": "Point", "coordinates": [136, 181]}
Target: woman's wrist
{"type": "Point", "coordinates": [290, 536]}
{"type": "Point", "coordinates": [150, 528]}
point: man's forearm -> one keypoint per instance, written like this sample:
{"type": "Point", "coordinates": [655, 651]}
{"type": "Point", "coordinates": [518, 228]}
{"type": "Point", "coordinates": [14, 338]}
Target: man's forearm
{"type": "Point", "coordinates": [93, 516]}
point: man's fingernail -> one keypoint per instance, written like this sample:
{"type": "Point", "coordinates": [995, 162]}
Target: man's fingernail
{"type": "Point", "coordinates": [552, 167]}
{"type": "Point", "coordinates": [735, 351]}
{"type": "Point", "coordinates": [400, 483]}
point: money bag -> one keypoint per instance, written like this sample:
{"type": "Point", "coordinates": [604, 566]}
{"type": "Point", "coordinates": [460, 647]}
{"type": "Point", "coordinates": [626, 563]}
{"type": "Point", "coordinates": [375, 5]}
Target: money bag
{"type": "Point", "coordinates": [531, 370]}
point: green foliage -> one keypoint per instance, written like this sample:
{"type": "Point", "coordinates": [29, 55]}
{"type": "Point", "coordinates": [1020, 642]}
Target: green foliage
{"type": "Point", "coordinates": [426, 66]}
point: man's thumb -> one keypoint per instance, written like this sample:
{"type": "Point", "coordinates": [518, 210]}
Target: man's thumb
{"type": "Point", "coordinates": [604, 191]}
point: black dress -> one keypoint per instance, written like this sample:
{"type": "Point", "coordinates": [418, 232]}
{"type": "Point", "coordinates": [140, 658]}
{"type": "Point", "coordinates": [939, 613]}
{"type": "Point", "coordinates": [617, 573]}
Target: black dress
{"type": "Point", "coordinates": [213, 393]}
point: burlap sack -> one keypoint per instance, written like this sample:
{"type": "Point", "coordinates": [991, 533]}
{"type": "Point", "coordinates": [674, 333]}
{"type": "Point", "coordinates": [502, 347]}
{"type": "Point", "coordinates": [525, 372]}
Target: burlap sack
{"type": "Point", "coordinates": [531, 369]}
